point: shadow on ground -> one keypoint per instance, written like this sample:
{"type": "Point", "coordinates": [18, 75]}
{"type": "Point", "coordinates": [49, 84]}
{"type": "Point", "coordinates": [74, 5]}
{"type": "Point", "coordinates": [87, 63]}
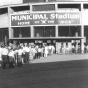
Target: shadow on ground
{"type": "Point", "coordinates": [68, 74]}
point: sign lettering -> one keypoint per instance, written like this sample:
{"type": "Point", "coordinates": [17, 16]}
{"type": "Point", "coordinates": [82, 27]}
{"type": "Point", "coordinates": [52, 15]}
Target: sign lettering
{"type": "Point", "coordinates": [45, 19]}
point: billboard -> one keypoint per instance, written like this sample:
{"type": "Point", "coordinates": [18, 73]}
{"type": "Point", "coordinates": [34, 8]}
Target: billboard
{"type": "Point", "coordinates": [20, 20]}
{"type": "Point", "coordinates": [68, 18]}
{"type": "Point", "coordinates": [44, 19]}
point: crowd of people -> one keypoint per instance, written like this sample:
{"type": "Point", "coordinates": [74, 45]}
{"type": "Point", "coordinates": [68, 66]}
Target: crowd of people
{"type": "Point", "coordinates": [72, 50]}
{"type": "Point", "coordinates": [17, 55]}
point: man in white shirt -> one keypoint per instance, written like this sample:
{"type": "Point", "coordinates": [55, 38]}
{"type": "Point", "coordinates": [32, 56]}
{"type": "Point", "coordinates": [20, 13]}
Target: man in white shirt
{"type": "Point", "coordinates": [39, 52]}
{"type": "Point", "coordinates": [26, 50]}
{"type": "Point", "coordinates": [50, 49]}
{"type": "Point", "coordinates": [46, 51]}
{"type": "Point", "coordinates": [36, 54]}
{"type": "Point", "coordinates": [20, 52]}
{"type": "Point", "coordinates": [0, 53]}
{"type": "Point", "coordinates": [11, 58]}
{"type": "Point", "coordinates": [32, 53]}
{"type": "Point", "coordinates": [53, 49]}
{"type": "Point", "coordinates": [67, 50]}
{"type": "Point", "coordinates": [4, 56]}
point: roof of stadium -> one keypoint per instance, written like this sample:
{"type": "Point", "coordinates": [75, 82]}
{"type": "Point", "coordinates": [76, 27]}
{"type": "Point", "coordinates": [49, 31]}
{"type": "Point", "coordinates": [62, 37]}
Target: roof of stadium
{"type": "Point", "coordinates": [14, 2]}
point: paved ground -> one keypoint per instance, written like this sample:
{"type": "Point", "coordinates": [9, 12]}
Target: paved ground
{"type": "Point", "coordinates": [58, 74]}
{"type": "Point", "coordinates": [59, 58]}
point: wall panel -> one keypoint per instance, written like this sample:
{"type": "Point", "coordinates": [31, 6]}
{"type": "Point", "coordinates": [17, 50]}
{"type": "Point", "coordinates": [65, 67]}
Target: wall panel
{"type": "Point", "coordinates": [4, 22]}
{"type": "Point", "coordinates": [1, 2]}
{"type": "Point", "coordinates": [8, 2]}
{"type": "Point", "coordinates": [85, 17]}
{"type": "Point", "coordinates": [27, 1]}
{"type": "Point", "coordinates": [17, 1]}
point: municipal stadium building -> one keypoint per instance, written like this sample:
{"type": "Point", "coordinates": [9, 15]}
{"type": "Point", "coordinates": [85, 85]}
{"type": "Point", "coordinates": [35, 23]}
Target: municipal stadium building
{"type": "Point", "coordinates": [59, 22]}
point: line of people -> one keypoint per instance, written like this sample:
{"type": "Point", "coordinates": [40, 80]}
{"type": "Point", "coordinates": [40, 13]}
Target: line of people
{"type": "Point", "coordinates": [72, 50]}
{"type": "Point", "coordinates": [23, 54]}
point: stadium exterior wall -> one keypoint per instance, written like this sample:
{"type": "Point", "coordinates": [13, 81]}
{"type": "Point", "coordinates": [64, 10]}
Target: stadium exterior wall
{"type": "Point", "coordinates": [18, 9]}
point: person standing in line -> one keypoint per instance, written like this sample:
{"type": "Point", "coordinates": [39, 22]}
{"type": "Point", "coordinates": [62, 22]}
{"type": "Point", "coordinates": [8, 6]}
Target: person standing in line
{"type": "Point", "coordinates": [50, 49]}
{"type": "Point", "coordinates": [26, 50]}
{"type": "Point", "coordinates": [20, 52]}
{"type": "Point", "coordinates": [4, 56]}
{"type": "Point", "coordinates": [39, 52]}
{"type": "Point", "coordinates": [87, 48]}
{"type": "Point", "coordinates": [66, 50]}
{"type": "Point", "coordinates": [32, 53]}
{"type": "Point", "coordinates": [35, 50]}
{"type": "Point", "coordinates": [79, 49]}
{"type": "Point", "coordinates": [23, 55]}
{"type": "Point", "coordinates": [11, 58]}
{"type": "Point", "coordinates": [0, 53]}
{"type": "Point", "coordinates": [16, 55]}
{"type": "Point", "coordinates": [53, 49]}
{"type": "Point", "coordinates": [36, 47]}
{"type": "Point", "coordinates": [73, 49]}
{"type": "Point", "coordinates": [46, 51]}
{"type": "Point", "coordinates": [42, 51]}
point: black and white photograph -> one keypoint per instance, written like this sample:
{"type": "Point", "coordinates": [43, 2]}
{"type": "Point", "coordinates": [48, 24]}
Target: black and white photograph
{"type": "Point", "coordinates": [43, 43]}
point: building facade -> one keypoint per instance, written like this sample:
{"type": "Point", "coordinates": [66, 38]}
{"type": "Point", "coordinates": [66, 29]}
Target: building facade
{"type": "Point", "coordinates": [58, 22]}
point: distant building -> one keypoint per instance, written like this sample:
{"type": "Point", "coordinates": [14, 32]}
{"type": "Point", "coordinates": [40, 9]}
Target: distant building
{"type": "Point", "coordinates": [59, 22]}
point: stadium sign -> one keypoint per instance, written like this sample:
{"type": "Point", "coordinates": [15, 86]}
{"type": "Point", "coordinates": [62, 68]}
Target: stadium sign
{"type": "Point", "coordinates": [44, 19]}
{"type": "Point", "coordinates": [20, 20]}
{"type": "Point", "coordinates": [68, 18]}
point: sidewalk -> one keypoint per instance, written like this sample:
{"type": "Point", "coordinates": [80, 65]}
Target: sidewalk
{"type": "Point", "coordinates": [58, 58]}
